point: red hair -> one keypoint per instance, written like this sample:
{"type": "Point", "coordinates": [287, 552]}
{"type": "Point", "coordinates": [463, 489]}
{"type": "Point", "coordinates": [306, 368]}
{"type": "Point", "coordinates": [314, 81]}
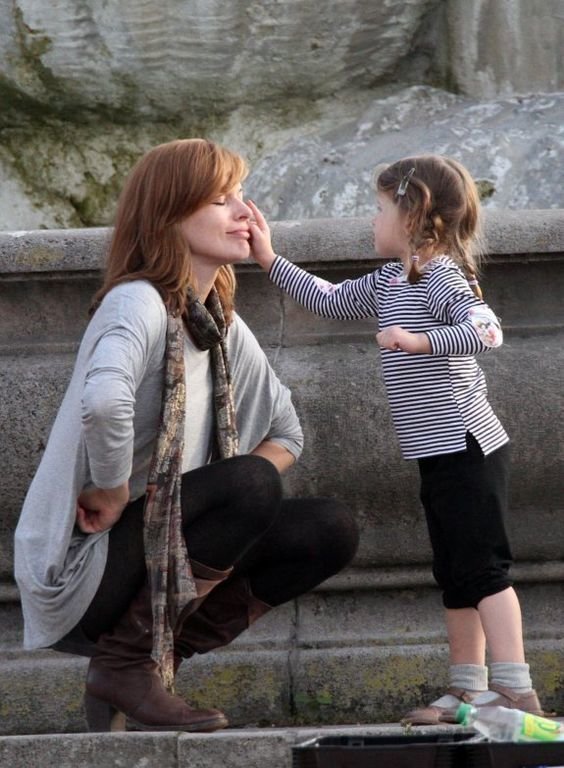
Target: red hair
{"type": "Point", "coordinates": [167, 184]}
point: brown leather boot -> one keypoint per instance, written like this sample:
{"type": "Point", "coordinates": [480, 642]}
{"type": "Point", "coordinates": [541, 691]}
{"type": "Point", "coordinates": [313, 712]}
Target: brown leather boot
{"type": "Point", "coordinates": [226, 613]}
{"type": "Point", "coordinates": [123, 681]}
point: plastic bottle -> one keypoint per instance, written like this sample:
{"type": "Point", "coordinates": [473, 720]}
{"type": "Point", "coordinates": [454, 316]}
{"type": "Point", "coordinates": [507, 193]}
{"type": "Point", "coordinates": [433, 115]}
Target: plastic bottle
{"type": "Point", "coordinates": [503, 724]}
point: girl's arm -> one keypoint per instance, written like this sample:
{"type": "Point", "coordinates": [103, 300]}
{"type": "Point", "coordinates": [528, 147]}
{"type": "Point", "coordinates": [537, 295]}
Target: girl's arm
{"type": "Point", "coordinates": [396, 338]}
{"type": "Point", "coordinates": [470, 326]}
{"type": "Point", "coordinates": [352, 299]}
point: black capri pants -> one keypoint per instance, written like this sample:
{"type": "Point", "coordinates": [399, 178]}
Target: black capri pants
{"type": "Point", "coordinates": [465, 498]}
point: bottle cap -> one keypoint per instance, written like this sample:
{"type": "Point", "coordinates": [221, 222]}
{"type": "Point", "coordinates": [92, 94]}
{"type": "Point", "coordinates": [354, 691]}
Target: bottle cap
{"type": "Point", "coordinates": [463, 712]}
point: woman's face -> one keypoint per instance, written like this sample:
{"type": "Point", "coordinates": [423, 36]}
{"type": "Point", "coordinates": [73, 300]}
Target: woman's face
{"type": "Point", "coordinates": [218, 232]}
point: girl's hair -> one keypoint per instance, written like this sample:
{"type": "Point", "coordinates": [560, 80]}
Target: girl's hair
{"type": "Point", "coordinates": [442, 205]}
{"type": "Point", "coordinates": [169, 183]}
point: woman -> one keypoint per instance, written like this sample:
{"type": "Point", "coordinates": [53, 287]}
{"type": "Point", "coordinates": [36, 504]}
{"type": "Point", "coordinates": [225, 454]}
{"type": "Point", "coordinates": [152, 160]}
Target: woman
{"type": "Point", "coordinates": [155, 526]}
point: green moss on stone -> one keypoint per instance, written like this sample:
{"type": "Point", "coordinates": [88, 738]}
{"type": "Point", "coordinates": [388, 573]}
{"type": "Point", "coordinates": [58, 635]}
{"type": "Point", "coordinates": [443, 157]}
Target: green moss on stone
{"type": "Point", "coordinates": [77, 171]}
{"type": "Point", "coordinates": [486, 188]}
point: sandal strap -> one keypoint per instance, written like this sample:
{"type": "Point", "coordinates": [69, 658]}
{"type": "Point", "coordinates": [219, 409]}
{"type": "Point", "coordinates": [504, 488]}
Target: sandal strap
{"type": "Point", "coordinates": [462, 694]}
{"type": "Point", "coordinates": [508, 693]}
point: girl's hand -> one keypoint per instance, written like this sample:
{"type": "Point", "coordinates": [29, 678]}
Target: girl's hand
{"type": "Point", "coordinates": [396, 338]}
{"type": "Point", "coordinates": [261, 247]}
{"type": "Point", "coordinates": [98, 509]}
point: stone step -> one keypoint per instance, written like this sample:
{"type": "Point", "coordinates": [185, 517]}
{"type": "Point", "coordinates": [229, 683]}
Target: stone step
{"type": "Point", "coordinates": [329, 658]}
{"type": "Point", "coordinates": [231, 748]}
{"type": "Point", "coordinates": [265, 688]}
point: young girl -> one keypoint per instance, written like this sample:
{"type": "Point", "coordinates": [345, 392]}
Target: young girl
{"type": "Point", "coordinates": [432, 322]}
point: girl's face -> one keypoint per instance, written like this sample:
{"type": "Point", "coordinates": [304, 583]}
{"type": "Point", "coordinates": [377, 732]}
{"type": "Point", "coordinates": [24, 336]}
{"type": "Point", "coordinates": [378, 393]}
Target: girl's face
{"type": "Point", "coordinates": [218, 232]}
{"type": "Point", "coordinates": [390, 231]}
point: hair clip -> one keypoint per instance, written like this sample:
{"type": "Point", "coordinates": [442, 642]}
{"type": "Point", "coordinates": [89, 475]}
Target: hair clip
{"type": "Point", "coordinates": [402, 189]}
{"type": "Point", "coordinates": [415, 258]}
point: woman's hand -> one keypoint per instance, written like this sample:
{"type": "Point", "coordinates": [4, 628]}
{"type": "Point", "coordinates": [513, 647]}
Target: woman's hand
{"type": "Point", "coordinates": [98, 509]}
{"type": "Point", "coordinates": [396, 338]}
{"type": "Point", "coordinates": [261, 246]}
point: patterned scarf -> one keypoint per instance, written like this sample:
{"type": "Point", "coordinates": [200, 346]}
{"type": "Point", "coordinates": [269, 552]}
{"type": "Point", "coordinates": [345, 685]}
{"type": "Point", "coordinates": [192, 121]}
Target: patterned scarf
{"type": "Point", "coordinates": [168, 566]}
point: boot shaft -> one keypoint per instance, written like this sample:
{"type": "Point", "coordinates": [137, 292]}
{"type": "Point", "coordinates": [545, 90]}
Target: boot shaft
{"type": "Point", "coordinates": [230, 610]}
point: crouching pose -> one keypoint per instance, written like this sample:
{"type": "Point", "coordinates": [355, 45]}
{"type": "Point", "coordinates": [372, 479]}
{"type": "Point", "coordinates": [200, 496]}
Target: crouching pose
{"type": "Point", "coordinates": [155, 527]}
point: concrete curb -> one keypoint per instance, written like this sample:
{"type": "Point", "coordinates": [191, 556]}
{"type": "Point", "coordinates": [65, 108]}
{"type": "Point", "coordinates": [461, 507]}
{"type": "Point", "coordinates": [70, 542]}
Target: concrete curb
{"type": "Point", "coordinates": [236, 748]}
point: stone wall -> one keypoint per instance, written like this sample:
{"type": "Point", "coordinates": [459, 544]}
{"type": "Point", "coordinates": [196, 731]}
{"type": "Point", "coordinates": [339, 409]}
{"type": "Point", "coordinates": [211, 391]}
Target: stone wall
{"type": "Point", "coordinates": [504, 47]}
{"type": "Point", "coordinates": [155, 60]}
{"type": "Point", "coordinates": [370, 641]}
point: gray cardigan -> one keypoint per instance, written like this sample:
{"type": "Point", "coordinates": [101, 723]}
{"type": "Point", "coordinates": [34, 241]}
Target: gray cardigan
{"type": "Point", "coordinates": [104, 434]}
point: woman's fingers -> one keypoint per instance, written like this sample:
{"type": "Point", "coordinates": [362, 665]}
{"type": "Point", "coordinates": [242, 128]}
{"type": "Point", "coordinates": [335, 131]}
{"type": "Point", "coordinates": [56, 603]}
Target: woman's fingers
{"type": "Point", "coordinates": [84, 519]}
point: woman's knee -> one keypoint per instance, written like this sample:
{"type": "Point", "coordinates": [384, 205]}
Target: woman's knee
{"type": "Point", "coordinates": [248, 485]}
{"type": "Point", "coordinates": [257, 475]}
{"type": "Point", "coordinates": [346, 531]}
{"type": "Point", "coordinates": [259, 489]}
{"type": "Point", "coordinates": [337, 532]}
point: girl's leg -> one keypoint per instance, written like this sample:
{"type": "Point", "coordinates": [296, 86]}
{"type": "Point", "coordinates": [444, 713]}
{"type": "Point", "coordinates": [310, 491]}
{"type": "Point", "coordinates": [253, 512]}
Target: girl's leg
{"type": "Point", "coordinates": [460, 493]}
{"type": "Point", "coordinates": [468, 674]}
{"type": "Point", "coordinates": [466, 639]}
{"type": "Point", "coordinates": [500, 615]}
{"type": "Point", "coordinates": [510, 679]}
{"type": "Point", "coordinates": [479, 577]}
{"type": "Point", "coordinates": [466, 497]}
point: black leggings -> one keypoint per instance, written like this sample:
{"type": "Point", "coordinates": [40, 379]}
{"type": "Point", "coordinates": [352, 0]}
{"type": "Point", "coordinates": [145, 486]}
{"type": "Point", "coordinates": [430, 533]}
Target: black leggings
{"type": "Point", "coordinates": [465, 497]}
{"type": "Point", "coordinates": [234, 514]}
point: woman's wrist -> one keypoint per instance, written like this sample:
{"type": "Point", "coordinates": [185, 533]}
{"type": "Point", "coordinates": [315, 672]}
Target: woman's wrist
{"type": "Point", "coordinates": [117, 495]}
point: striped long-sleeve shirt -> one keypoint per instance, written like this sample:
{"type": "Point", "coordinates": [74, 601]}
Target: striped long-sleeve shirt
{"type": "Point", "coordinates": [434, 398]}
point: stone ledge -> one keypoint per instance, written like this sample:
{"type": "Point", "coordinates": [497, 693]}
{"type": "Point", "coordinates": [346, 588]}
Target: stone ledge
{"type": "Point", "coordinates": [232, 748]}
{"type": "Point", "coordinates": [535, 233]}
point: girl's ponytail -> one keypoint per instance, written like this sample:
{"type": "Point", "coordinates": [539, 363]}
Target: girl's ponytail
{"type": "Point", "coordinates": [472, 278]}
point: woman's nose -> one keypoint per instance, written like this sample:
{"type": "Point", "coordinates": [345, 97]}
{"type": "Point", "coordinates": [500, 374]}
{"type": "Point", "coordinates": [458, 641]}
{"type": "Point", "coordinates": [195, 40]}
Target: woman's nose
{"type": "Point", "coordinates": [244, 212]}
